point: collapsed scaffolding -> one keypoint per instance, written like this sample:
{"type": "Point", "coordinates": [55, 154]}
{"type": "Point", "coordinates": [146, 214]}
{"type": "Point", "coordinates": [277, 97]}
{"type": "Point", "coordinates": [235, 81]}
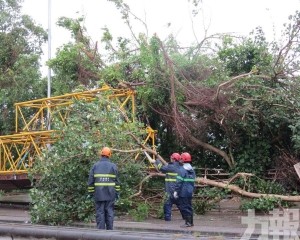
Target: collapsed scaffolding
{"type": "Point", "coordinates": [18, 150]}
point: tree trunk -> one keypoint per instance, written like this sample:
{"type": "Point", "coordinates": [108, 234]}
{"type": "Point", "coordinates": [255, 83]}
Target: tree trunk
{"type": "Point", "coordinates": [242, 192]}
{"type": "Point", "coordinates": [213, 149]}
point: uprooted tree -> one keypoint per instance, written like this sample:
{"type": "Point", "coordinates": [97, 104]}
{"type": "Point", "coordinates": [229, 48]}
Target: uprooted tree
{"type": "Point", "coordinates": [231, 101]}
{"type": "Point", "coordinates": [225, 184]}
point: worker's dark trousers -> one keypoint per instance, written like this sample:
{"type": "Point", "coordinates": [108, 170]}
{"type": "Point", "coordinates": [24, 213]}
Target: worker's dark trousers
{"type": "Point", "coordinates": [105, 214]}
{"type": "Point", "coordinates": [186, 207]}
{"type": "Point", "coordinates": [170, 200]}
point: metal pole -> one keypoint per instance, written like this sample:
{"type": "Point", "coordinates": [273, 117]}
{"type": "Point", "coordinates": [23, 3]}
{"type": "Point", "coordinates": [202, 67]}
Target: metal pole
{"type": "Point", "coordinates": [49, 57]}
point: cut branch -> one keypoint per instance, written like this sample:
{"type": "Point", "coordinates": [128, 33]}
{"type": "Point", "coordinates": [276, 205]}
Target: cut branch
{"type": "Point", "coordinates": [144, 180]}
{"type": "Point", "coordinates": [148, 149]}
{"type": "Point", "coordinates": [242, 192]}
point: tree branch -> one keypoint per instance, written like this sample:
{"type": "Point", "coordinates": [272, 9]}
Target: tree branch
{"type": "Point", "coordinates": [231, 81]}
{"type": "Point", "coordinates": [148, 149]}
{"type": "Point", "coordinates": [242, 192]}
{"type": "Point", "coordinates": [213, 149]}
{"type": "Point", "coordinates": [144, 180]}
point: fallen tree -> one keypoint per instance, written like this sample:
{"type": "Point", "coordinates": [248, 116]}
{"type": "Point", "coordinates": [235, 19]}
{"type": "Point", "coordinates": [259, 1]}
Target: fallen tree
{"type": "Point", "coordinates": [244, 193]}
{"type": "Point", "coordinates": [226, 184]}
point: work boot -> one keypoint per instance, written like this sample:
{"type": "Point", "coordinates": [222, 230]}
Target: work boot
{"type": "Point", "coordinates": [188, 222]}
{"type": "Point", "coordinates": [192, 220]}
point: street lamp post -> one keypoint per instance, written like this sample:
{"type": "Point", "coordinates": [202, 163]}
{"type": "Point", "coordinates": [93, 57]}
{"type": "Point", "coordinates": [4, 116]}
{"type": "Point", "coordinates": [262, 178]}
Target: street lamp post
{"type": "Point", "coordinates": [49, 69]}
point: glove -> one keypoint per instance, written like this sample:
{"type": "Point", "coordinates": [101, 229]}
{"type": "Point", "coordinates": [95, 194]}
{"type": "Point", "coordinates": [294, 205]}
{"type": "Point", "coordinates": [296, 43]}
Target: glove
{"type": "Point", "coordinates": [90, 196]}
{"type": "Point", "coordinates": [175, 195]}
{"type": "Point", "coordinates": [150, 159]}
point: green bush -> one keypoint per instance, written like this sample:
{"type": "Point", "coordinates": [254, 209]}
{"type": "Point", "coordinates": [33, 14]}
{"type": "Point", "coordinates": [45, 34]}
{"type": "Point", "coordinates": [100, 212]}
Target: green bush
{"type": "Point", "coordinates": [263, 186]}
{"type": "Point", "coordinates": [123, 204]}
{"type": "Point", "coordinates": [140, 213]}
{"type": "Point", "coordinates": [264, 204]}
{"type": "Point", "coordinates": [60, 194]}
{"type": "Point", "coordinates": [206, 198]}
{"type": "Point", "coordinates": [201, 206]}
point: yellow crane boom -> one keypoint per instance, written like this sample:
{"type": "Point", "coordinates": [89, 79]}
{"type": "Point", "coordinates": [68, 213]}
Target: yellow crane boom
{"type": "Point", "coordinates": [17, 151]}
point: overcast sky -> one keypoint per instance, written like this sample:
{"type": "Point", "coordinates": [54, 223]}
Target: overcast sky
{"type": "Point", "coordinates": [218, 16]}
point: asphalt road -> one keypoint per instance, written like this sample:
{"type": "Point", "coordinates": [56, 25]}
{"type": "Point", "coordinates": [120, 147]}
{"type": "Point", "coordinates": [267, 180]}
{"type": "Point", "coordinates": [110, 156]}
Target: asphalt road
{"type": "Point", "coordinates": [224, 222]}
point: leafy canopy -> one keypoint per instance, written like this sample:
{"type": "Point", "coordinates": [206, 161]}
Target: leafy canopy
{"type": "Point", "coordinates": [21, 42]}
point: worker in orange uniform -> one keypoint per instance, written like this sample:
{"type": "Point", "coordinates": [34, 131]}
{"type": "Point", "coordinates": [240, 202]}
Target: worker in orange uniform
{"type": "Point", "coordinates": [104, 187]}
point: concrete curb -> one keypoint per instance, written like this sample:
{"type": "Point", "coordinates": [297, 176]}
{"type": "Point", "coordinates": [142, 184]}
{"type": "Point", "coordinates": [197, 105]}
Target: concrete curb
{"type": "Point", "coordinates": [68, 233]}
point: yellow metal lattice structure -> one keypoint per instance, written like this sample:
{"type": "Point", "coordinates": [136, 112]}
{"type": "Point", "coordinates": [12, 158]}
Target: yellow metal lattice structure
{"type": "Point", "coordinates": [56, 107]}
{"type": "Point", "coordinates": [18, 150]}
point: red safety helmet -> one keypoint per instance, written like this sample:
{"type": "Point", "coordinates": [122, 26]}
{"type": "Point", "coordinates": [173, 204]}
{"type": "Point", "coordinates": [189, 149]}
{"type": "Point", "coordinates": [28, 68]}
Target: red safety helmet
{"type": "Point", "coordinates": [106, 152]}
{"type": "Point", "coordinates": [186, 157]}
{"type": "Point", "coordinates": [175, 156]}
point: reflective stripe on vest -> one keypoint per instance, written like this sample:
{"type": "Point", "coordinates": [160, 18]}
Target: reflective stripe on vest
{"type": "Point", "coordinates": [104, 180]}
{"type": "Point", "coordinates": [159, 166]}
{"type": "Point", "coordinates": [105, 184]}
{"type": "Point", "coordinates": [105, 175]}
{"type": "Point", "coordinates": [91, 189]}
{"type": "Point", "coordinates": [171, 177]}
{"type": "Point", "coordinates": [185, 179]}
